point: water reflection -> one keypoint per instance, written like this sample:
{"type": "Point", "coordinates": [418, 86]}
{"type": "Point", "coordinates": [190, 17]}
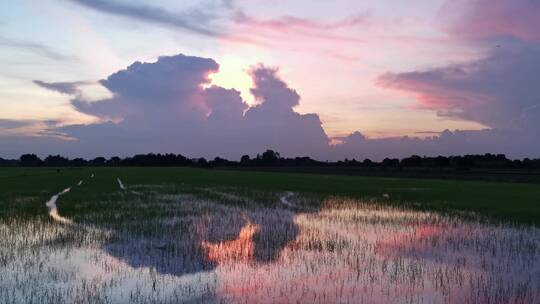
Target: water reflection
{"type": "Point", "coordinates": [217, 234]}
{"type": "Point", "coordinates": [350, 251]}
{"type": "Point", "coordinates": [345, 251]}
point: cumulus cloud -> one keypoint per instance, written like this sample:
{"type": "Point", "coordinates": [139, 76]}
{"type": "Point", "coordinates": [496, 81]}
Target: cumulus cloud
{"type": "Point", "coordinates": [164, 80]}
{"type": "Point", "coordinates": [272, 92]}
{"type": "Point", "coordinates": [499, 91]}
{"type": "Point", "coordinates": [224, 104]}
{"type": "Point", "coordinates": [170, 87]}
{"type": "Point", "coordinates": [513, 143]}
{"type": "Point", "coordinates": [168, 106]}
{"type": "Point", "coordinates": [274, 123]}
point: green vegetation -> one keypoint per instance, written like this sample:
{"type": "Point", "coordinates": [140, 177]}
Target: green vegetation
{"type": "Point", "coordinates": [177, 235]}
{"type": "Point", "coordinates": [24, 190]}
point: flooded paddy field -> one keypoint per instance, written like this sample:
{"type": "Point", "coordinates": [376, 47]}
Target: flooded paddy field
{"type": "Point", "coordinates": [203, 236]}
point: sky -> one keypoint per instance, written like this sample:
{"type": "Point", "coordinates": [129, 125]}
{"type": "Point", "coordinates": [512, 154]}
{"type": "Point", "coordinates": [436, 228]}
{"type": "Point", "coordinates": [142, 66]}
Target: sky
{"type": "Point", "coordinates": [327, 79]}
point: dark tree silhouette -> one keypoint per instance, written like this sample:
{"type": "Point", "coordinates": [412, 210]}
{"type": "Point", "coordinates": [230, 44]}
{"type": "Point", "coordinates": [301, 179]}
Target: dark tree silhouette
{"type": "Point", "coordinates": [202, 162]}
{"type": "Point", "coordinates": [245, 159]}
{"type": "Point", "coordinates": [98, 161]}
{"type": "Point", "coordinates": [271, 158]}
{"type": "Point", "coordinates": [30, 160]}
{"type": "Point", "coordinates": [79, 162]}
{"type": "Point", "coordinates": [56, 161]}
{"type": "Point", "coordinates": [114, 161]}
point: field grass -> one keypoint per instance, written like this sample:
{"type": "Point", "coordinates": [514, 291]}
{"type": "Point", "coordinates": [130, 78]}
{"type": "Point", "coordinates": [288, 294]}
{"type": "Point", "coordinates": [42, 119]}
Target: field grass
{"type": "Point", "coordinates": [517, 202]}
{"type": "Point", "coordinates": [186, 235]}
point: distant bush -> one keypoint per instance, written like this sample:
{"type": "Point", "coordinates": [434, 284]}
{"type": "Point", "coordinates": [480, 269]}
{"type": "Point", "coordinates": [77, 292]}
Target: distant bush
{"type": "Point", "coordinates": [271, 158]}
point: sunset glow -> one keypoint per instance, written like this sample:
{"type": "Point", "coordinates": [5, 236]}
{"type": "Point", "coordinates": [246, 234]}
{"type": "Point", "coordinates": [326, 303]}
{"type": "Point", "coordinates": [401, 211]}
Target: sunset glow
{"type": "Point", "coordinates": [285, 151]}
{"type": "Point", "coordinates": [240, 249]}
{"type": "Point", "coordinates": [396, 72]}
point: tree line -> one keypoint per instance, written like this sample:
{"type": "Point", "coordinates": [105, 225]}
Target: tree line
{"type": "Point", "coordinates": [273, 158]}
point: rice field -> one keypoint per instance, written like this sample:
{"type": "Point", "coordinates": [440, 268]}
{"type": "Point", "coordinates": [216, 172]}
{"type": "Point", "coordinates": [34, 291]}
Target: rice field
{"type": "Point", "coordinates": [100, 237]}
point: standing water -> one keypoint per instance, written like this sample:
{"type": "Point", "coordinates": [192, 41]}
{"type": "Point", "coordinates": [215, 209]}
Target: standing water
{"type": "Point", "coordinates": [53, 210]}
{"type": "Point", "coordinates": [191, 248]}
{"type": "Point", "coordinates": [120, 184]}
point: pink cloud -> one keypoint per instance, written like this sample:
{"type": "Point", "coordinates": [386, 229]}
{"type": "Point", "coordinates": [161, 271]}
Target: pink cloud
{"type": "Point", "coordinates": [496, 91]}
{"type": "Point", "coordinates": [166, 106]}
{"type": "Point", "coordinates": [493, 18]}
{"type": "Point", "coordinates": [436, 89]}
{"type": "Point", "coordinates": [291, 23]}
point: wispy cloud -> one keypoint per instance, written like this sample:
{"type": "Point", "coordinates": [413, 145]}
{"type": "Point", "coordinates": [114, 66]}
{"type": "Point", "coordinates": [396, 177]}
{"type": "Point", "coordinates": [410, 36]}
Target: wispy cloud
{"type": "Point", "coordinates": [205, 19]}
{"type": "Point", "coordinates": [28, 127]}
{"type": "Point", "coordinates": [297, 24]}
{"type": "Point", "coordinates": [292, 26]}
{"type": "Point", "coordinates": [496, 90]}
{"type": "Point", "coordinates": [69, 88]}
{"type": "Point", "coordinates": [487, 19]}
{"type": "Point", "coordinates": [164, 104]}
{"type": "Point", "coordinates": [37, 48]}
{"type": "Point", "coordinates": [196, 20]}
{"type": "Point", "coordinates": [13, 123]}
